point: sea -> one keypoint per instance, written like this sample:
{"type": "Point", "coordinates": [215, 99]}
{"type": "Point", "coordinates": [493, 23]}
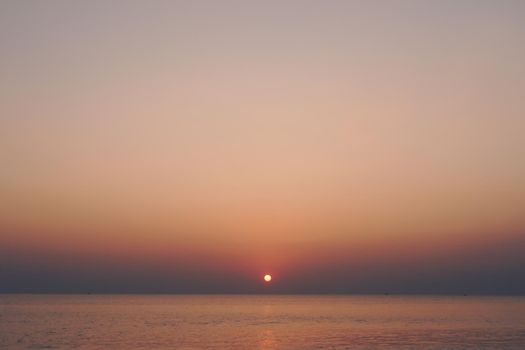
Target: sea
{"type": "Point", "coordinates": [261, 322]}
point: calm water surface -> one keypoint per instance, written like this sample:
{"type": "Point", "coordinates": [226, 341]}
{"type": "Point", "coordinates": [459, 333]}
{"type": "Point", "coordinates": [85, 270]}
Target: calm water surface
{"type": "Point", "coordinates": [260, 322]}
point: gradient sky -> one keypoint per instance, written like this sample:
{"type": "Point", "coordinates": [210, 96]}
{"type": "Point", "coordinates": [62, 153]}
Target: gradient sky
{"type": "Point", "coordinates": [193, 146]}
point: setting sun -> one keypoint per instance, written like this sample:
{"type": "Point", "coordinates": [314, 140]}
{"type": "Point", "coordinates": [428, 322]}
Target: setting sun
{"type": "Point", "coordinates": [267, 278]}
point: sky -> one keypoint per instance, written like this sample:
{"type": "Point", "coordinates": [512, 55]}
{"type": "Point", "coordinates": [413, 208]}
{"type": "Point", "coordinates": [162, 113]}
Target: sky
{"type": "Point", "coordinates": [194, 146]}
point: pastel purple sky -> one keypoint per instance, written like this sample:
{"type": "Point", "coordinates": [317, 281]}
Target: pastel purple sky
{"type": "Point", "coordinates": [192, 146]}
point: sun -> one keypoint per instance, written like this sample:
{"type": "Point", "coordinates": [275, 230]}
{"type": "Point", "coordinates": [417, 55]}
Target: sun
{"type": "Point", "coordinates": [267, 278]}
